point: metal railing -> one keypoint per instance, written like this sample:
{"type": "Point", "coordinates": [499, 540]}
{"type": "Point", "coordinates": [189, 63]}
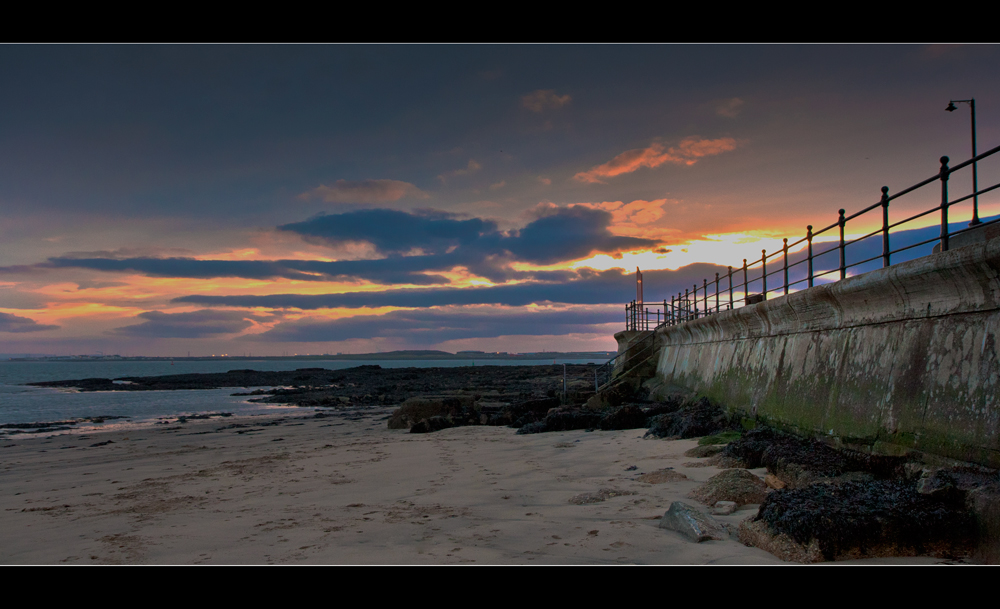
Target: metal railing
{"type": "Point", "coordinates": [720, 293]}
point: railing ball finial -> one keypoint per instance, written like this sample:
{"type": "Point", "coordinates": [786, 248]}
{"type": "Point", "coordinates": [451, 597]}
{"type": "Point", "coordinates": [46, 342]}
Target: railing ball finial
{"type": "Point", "coordinates": [885, 190]}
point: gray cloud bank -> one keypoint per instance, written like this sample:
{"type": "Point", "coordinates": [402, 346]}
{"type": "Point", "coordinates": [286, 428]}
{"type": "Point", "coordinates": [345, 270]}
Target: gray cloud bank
{"type": "Point", "coordinates": [442, 242]}
{"type": "Point", "coordinates": [16, 324]}
{"type": "Point", "coordinates": [439, 325]}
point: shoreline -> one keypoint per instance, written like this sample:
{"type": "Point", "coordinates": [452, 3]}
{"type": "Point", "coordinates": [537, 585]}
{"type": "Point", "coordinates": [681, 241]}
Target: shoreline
{"type": "Point", "coordinates": [341, 488]}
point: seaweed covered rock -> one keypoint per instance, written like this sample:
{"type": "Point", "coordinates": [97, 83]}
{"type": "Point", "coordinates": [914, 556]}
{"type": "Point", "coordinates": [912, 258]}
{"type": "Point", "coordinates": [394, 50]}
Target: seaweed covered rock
{"type": "Point", "coordinates": [563, 420]}
{"type": "Point", "coordinates": [798, 462]}
{"type": "Point", "coordinates": [737, 485]}
{"type": "Point", "coordinates": [626, 417]}
{"type": "Point", "coordinates": [859, 520]}
{"type": "Point", "coordinates": [432, 424]}
{"type": "Point", "coordinates": [696, 418]}
{"type": "Point", "coordinates": [416, 409]}
{"type": "Point", "coordinates": [629, 416]}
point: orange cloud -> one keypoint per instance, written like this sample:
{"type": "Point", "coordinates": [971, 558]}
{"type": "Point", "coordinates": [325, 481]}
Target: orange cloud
{"type": "Point", "coordinates": [687, 152]}
{"type": "Point", "coordinates": [543, 99]}
{"type": "Point", "coordinates": [364, 191]}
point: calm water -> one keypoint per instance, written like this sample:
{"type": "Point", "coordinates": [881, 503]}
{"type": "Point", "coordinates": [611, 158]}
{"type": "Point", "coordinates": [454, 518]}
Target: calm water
{"type": "Point", "coordinates": [22, 404]}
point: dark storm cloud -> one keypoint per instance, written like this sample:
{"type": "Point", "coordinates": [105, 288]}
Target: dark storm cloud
{"type": "Point", "coordinates": [13, 323]}
{"type": "Point", "coordinates": [196, 324]}
{"type": "Point", "coordinates": [570, 234]}
{"type": "Point", "coordinates": [445, 240]}
{"type": "Point", "coordinates": [395, 232]}
{"type": "Point", "coordinates": [421, 327]}
{"type": "Point", "coordinates": [560, 235]}
{"type": "Point", "coordinates": [588, 287]}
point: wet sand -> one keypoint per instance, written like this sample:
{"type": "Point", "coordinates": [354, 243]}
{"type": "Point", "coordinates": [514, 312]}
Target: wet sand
{"type": "Point", "coordinates": [344, 489]}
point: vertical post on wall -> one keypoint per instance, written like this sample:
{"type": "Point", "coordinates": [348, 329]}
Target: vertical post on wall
{"type": "Point", "coordinates": [785, 248]}
{"type": "Point", "coordinates": [730, 288]}
{"type": "Point", "coordinates": [746, 284]}
{"type": "Point", "coordinates": [716, 292]}
{"type": "Point", "coordinates": [885, 226]}
{"type": "Point", "coordinates": [763, 273]}
{"type": "Point", "coordinates": [809, 256]}
{"type": "Point", "coordinates": [704, 296]}
{"type": "Point", "coordinates": [638, 286]}
{"type": "Point", "coordinates": [843, 257]}
{"type": "Point", "coordinates": [944, 203]}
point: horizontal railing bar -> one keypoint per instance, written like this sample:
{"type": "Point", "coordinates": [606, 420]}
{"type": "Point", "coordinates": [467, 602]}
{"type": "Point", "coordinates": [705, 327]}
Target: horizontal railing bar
{"type": "Point", "coordinates": [878, 257]}
{"type": "Point", "coordinates": [974, 159]}
{"type": "Point", "coordinates": [913, 245]}
{"type": "Point", "coordinates": [920, 215]}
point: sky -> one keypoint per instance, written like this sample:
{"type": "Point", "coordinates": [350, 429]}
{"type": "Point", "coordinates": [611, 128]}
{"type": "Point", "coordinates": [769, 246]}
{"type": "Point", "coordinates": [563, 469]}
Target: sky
{"type": "Point", "coordinates": [310, 199]}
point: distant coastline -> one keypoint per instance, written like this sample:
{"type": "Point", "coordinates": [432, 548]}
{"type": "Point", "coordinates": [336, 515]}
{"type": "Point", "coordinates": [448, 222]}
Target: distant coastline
{"type": "Point", "coordinates": [389, 355]}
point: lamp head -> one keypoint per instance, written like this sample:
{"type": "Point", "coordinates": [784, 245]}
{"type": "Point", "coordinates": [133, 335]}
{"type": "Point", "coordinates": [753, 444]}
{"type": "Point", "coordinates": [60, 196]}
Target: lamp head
{"type": "Point", "coordinates": [951, 107]}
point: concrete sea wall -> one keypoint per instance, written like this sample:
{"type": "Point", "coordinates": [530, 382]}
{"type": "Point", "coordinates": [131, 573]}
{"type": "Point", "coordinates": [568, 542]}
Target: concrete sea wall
{"type": "Point", "coordinates": [902, 358]}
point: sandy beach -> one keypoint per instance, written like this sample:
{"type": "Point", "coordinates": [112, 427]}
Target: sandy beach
{"type": "Point", "coordinates": [343, 489]}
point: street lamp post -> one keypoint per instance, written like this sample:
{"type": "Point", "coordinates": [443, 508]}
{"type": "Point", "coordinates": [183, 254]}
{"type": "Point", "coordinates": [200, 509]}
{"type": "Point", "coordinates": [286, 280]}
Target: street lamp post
{"type": "Point", "coordinates": [975, 178]}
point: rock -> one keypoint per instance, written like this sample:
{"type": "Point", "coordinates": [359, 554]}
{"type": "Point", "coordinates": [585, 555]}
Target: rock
{"type": "Point", "coordinates": [862, 520]}
{"type": "Point", "coordinates": [773, 481]}
{"type": "Point", "coordinates": [694, 525]}
{"type": "Point", "coordinates": [602, 495]}
{"type": "Point", "coordinates": [724, 508]}
{"type": "Point", "coordinates": [757, 534]}
{"type": "Point", "coordinates": [737, 485]}
{"type": "Point", "coordinates": [693, 419]}
{"type": "Point", "coordinates": [661, 476]}
{"type": "Point", "coordinates": [416, 409]}
{"type": "Point", "coordinates": [700, 452]}
{"type": "Point", "coordinates": [431, 424]}
{"type": "Point", "coordinates": [624, 417]}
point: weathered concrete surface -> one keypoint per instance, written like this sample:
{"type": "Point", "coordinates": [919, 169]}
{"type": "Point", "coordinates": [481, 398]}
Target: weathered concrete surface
{"type": "Point", "coordinates": [896, 359]}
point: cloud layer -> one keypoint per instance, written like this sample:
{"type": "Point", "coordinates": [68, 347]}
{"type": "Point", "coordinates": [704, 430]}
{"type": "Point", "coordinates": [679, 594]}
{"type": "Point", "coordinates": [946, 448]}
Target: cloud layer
{"type": "Point", "coordinates": [16, 324]}
{"type": "Point", "coordinates": [364, 191]}
{"type": "Point", "coordinates": [687, 152]}
{"type": "Point", "coordinates": [196, 324]}
{"type": "Point", "coordinates": [431, 326]}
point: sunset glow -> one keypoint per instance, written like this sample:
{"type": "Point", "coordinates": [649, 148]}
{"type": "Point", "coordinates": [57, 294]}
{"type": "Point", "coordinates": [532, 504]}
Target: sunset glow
{"type": "Point", "coordinates": [160, 200]}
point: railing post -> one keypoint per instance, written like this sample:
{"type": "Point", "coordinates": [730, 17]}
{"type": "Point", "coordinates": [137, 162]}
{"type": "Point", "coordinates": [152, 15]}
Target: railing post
{"type": "Point", "coordinates": [730, 288]}
{"type": "Point", "coordinates": [704, 296]}
{"type": "Point", "coordinates": [843, 259]}
{"type": "Point", "coordinates": [885, 226]}
{"type": "Point", "coordinates": [763, 273]}
{"type": "Point", "coordinates": [746, 283]}
{"type": "Point", "coordinates": [673, 310]}
{"type": "Point", "coordinates": [687, 306]}
{"type": "Point", "coordinates": [786, 266]}
{"type": "Point", "coordinates": [626, 318]}
{"type": "Point", "coordinates": [716, 292]}
{"type": "Point", "coordinates": [944, 203]}
{"type": "Point", "coordinates": [694, 297]}
{"type": "Point", "coordinates": [646, 321]}
{"type": "Point", "coordinates": [809, 238]}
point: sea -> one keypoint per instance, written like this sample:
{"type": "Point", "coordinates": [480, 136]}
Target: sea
{"type": "Point", "coordinates": [46, 410]}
